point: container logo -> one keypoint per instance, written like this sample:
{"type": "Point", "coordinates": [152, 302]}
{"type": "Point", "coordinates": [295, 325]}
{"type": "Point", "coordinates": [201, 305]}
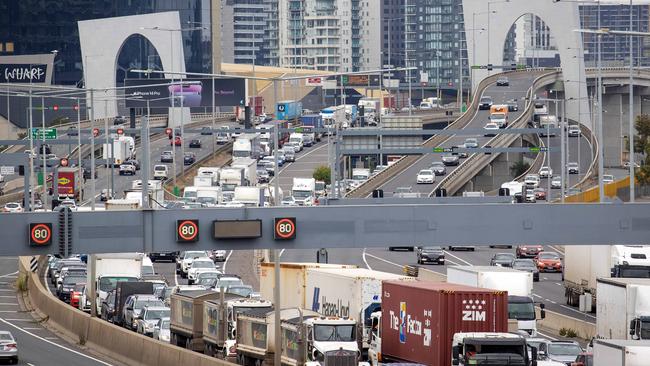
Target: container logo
{"type": "Point", "coordinates": [473, 311]}
{"type": "Point", "coordinates": [402, 322]}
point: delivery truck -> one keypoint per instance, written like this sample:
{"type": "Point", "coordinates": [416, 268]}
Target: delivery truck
{"type": "Point", "coordinates": [307, 339]}
{"type": "Point", "coordinates": [293, 277]}
{"type": "Point", "coordinates": [503, 349]}
{"type": "Point", "coordinates": [250, 169]}
{"type": "Point", "coordinates": [623, 308]}
{"type": "Point", "coordinates": [122, 150]}
{"type": "Point", "coordinates": [123, 290]}
{"type": "Point", "coordinates": [610, 352]}
{"type": "Point", "coordinates": [304, 191]}
{"type": "Point", "coordinates": [348, 292]}
{"type": "Point", "coordinates": [68, 183]}
{"type": "Point", "coordinates": [249, 196]}
{"type": "Point", "coordinates": [518, 284]}
{"type": "Point", "coordinates": [418, 320]}
{"type": "Point", "coordinates": [311, 122]}
{"type": "Point", "coordinates": [583, 264]}
{"type": "Point", "coordinates": [219, 336]}
{"type": "Point", "coordinates": [288, 110]}
{"type": "Point", "coordinates": [229, 179]}
{"type": "Point", "coordinates": [108, 270]}
{"type": "Point", "coordinates": [247, 145]}
{"type": "Point", "coordinates": [186, 322]}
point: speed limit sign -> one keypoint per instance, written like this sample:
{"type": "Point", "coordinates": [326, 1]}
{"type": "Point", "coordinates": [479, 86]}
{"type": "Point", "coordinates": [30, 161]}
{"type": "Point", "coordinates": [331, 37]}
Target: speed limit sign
{"type": "Point", "coordinates": [284, 228]}
{"type": "Point", "coordinates": [95, 132]}
{"type": "Point", "coordinates": [40, 234]}
{"type": "Point", "coordinates": [120, 131]}
{"type": "Point", "coordinates": [187, 231]}
{"type": "Point", "coordinates": [168, 131]}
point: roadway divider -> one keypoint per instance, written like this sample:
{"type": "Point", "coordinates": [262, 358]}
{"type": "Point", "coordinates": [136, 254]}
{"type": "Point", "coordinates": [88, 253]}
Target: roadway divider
{"type": "Point", "coordinates": [115, 342]}
{"type": "Point", "coordinates": [374, 182]}
{"type": "Point", "coordinates": [556, 321]}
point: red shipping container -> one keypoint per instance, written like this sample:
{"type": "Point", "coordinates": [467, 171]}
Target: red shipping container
{"type": "Point", "coordinates": [257, 105]}
{"type": "Point", "coordinates": [66, 184]}
{"type": "Point", "coordinates": [419, 319]}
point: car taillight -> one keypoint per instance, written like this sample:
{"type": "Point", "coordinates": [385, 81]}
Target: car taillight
{"type": "Point", "coordinates": [76, 295]}
{"type": "Point", "coordinates": [10, 346]}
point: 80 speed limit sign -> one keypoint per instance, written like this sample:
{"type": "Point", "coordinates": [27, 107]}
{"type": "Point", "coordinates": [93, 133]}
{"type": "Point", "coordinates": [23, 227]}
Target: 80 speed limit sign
{"type": "Point", "coordinates": [187, 231]}
{"type": "Point", "coordinates": [40, 234]}
{"type": "Point", "coordinates": [284, 228]}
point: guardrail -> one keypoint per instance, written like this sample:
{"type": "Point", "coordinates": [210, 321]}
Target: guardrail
{"type": "Point", "coordinates": [404, 162]}
{"type": "Point", "coordinates": [471, 166]}
{"type": "Point", "coordinates": [115, 342]}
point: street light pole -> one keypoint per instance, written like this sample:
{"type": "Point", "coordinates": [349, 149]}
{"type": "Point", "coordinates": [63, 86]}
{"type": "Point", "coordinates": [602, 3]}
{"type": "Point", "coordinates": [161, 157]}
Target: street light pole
{"type": "Point", "coordinates": [92, 152]}
{"type": "Point", "coordinates": [631, 116]}
{"type": "Point", "coordinates": [45, 157]}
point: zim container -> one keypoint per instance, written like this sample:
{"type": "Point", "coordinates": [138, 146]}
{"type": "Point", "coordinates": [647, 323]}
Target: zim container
{"type": "Point", "coordinates": [420, 318]}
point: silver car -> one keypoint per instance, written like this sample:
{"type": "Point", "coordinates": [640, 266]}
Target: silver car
{"type": "Point", "coordinates": [161, 330]}
{"type": "Point", "coordinates": [8, 347]}
{"type": "Point", "coordinates": [146, 322]}
{"type": "Point", "coordinates": [438, 168]}
{"type": "Point", "coordinates": [450, 160]}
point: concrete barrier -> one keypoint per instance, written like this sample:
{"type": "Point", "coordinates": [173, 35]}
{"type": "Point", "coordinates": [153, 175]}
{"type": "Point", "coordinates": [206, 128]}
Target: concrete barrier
{"type": "Point", "coordinates": [556, 321]}
{"type": "Point", "coordinates": [115, 342]}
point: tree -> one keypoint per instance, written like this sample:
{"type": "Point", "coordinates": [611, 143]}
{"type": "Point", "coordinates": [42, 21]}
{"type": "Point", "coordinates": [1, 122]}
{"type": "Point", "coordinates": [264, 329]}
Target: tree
{"type": "Point", "coordinates": [642, 143]}
{"type": "Point", "coordinates": [519, 168]}
{"type": "Point", "coordinates": [322, 173]}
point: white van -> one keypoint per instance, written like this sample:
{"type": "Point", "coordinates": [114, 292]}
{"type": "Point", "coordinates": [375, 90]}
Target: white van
{"type": "Point", "coordinates": [297, 138]}
{"type": "Point", "coordinates": [147, 267]}
{"type": "Point", "coordinates": [189, 193]}
{"type": "Point", "coordinates": [160, 172]}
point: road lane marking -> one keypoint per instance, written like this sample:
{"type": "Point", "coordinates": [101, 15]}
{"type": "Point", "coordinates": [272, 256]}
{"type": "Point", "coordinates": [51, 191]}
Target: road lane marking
{"type": "Point", "coordinates": [536, 295]}
{"type": "Point", "coordinates": [287, 165]}
{"type": "Point", "coordinates": [457, 257]}
{"type": "Point", "coordinates": [52, 343]}
{"type": "Point", "coordinates": [363, 255]}
{"type": "Point", "coordinates": [280, 255]}
{"type": "Point", "coordinates": [395, 264]}
{"type": "Point", "coordinates": [225, 262]}
{"type": "Point", "coordinates": [577, 311]}
{"type": "Point", "coordinates": [9, 274]}
{"type": "Point", "coordinates": [546, 336]}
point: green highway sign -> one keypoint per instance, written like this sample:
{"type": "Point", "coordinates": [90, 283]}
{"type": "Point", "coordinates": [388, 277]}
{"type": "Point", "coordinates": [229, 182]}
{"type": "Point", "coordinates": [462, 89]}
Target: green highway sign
{"type": "Point", "coordinates": [47, 133]}
{"type": "Point", "coordinates": [442, 150]}
{"type": "Point", "coordinates": [299, 130]}
{"type": "Point", "coordinates": [538, 149]}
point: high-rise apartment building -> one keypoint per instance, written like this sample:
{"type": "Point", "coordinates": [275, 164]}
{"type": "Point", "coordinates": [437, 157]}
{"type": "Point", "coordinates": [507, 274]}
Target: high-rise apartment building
{"type": "Point", "coordinates": [243, 31]}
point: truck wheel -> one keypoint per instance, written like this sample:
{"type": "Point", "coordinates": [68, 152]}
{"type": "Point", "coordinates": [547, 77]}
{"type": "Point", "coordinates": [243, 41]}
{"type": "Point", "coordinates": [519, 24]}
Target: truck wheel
{"type": "Point", "coordinates": [258, 362]}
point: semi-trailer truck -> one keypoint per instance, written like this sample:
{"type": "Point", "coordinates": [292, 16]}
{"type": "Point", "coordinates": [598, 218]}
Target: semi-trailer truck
{"type": "Point", "coordinates": [288, 110]}
{"type": "Point", "coordinates": [310, 122]}
{"type": "Point", "coordinates": [418, 320]}
{"type": "Point", "coordinates": [304, 191]}
{"type": "Point", "coordinates": [247, 145]}
{"type": "Point", "coordinates": [623, 308]}
{"type": "Point", "coordinates": [186, 321]}
{"type": "Point", "coordinates": [518, 284]}
{"type": "Point", "coordinates": [610, 352]}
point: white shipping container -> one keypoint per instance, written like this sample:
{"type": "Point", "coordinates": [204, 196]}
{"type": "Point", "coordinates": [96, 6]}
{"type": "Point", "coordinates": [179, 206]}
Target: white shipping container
{"type": "Point", "coordinates": [610, 352]}
{"type": "Point", "coordinates": [621, 301]}
{"type": "Point", "coordinates": [517, 283]}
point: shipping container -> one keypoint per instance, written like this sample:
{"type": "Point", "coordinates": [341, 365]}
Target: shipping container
{"type": "Point", "coordinates": [186, 325]}
{"type": "Point", "coordinates": [68, 183]}
{"type": "Point", "coordinates": [257, 105]}
{"type": "Point", "coordinates": [610, 352]}
{"type": "Point", "coordinates": [419, 319]}
{"type": "Point", "coordinates": [288, 110]}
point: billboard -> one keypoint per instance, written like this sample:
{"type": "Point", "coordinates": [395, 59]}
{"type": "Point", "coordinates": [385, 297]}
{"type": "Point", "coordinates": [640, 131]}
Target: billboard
{"type": "Point", "coordinates": [26, 69]}
{"type": "Point", "coordinates": [189, 93]}
{"type": "Point", "coordinates": [359, 80]}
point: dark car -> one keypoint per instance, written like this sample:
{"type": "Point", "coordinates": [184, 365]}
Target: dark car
{"type": "Point", "coordinates": [87, 173]}
{"type": "Point", "coordinates": [158, 256]}
{"type": "Point", "coordinates": [503, 81]}
{"type": "Point", "coordinates": [45, 149]}
{"type": "Point", "coordinates": [526, 265]}
{"type": "Point", "coordinates": [502, 259]}
{"type": "Point", "coordinates": [263, 176]}
{"type": "Point", "coordinates": [119, 120]}
{"type": "Point", "coordinates": [206, 131]}
{"type": "Point", "coordinates": [195, 144]}
{"type": "Point", "coordinates": [108, 307]}
{"type": "Point", "coordinates": [513, 106]}
{"type": "Point", "coordinates": [68, 284]}
{"type": "Point", "coordinates": [485, 103]}
{"type": "Point", "coordinates": [72, 131]}
{"type": "Point", "coordinates": [438, 168]}
{"type": "Point", "coordinates": [431, 254]}
{"type": "Point", "coordinates": [189, 159]}
{"type": "Point", "coordinates": [528, 251]}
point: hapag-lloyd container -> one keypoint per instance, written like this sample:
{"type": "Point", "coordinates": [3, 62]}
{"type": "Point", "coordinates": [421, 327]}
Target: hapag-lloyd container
{"type": "Point", "coordinates": [420, 318]}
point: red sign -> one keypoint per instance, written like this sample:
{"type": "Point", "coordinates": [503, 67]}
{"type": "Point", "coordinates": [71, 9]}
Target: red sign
{"type": "Point", "coordinates": [314, 81]}
{"type": "Point", "coordinates": [95, 132]}
{"type": "Point", "coordinates": [64, 162]}
{"type": "Point", "coordinates": [40, 234]}
{"type": "Point", "coordinates": [285, 228]}
{"type": "Point", "coordinates": [187, 231]}
{"type": "Point", "coordinates": [168, 131]}
{"type": "Point", "coordinates": [120, 131]}
{"type": "Point", "coordinates": [66, 183]}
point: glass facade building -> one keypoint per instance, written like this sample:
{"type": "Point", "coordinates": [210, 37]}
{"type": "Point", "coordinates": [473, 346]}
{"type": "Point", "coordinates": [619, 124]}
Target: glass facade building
{"type": "Point", "coordinates": [31, 26]}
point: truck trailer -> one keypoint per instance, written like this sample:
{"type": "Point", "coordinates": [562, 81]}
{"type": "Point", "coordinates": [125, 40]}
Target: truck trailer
{"type": "Point", "coordinates": [108, 270]}
{"type": "Point", "coordinates": [186, 321]}
{"type": "Point", "coordinates": [518, 284]}
{"type": "Point", "coordinates": [623, 308]}
{"type": "Point", "coordinates": [610, 352]}
{"type": "Point", "coordinates": [418, 320]}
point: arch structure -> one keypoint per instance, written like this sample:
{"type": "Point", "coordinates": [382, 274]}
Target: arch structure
{"type": "Point", "coordinates": [487, 24]}
{"type": "Point", "coordinates": [102, 41]}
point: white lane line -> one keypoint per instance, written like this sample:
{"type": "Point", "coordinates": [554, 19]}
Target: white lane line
{"type": "Point", "coordinates": [20, 320]}
{"type": "Point", "coordinates": [395, 264]}
{"type": "Point", "coordinates": [546, 336]}
{"type": "Point", "coordinates": [286, 166]}
{"type": "Point", "coordinates": [225, 262]}
{"type": "Point", "coordinates": [536, 295]}
{"type": "Point", "coordinates": [577, 311]}
{"type": "Point", "coordinates": [8, 303]}
{"type": "Point", "coordinates": [9, 274]}
{"type": "Point", "coordinates": [52, 343]}
{"type": "Point", "coordinates": [175, 278]}
{"type": "Point", "coordinates": [8, 296]}
{"type": "Point", "coordinates": [8, 311]}
{"type": "Point", "coordinates": [30, 364]}
{"type": "Point", "coordinates": [282, 251]}
{"type": "Point", "coordinates": [457, 257]}
{"type": "Point", "coordinates": [559, 284]}
{"type": "Point", "coordinates": [26, 328]}
{"type": "Point", "coordinates": [552, 302]}
{"type": "Point", "coordinates": [363, 255]}
{"type": "Point", "coordinates": [6, 289]}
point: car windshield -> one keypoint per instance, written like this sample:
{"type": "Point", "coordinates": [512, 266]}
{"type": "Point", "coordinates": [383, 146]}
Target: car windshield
{"type": "Point", "coordinates": [110, 283]}
{"type": "Point", "coordinates": [195, 254]}
{"type": "Point", "coordinates": [147, 270]}
{"type": "Point", "coordinates": [244, 291]}
{"type": "Point", "coordinates": [160, 168]}
{"type": "Point", "coordinates": [210, 275]}
{"type": "Point", "coordinates": [202, 264]}
{"type": "Point", "coordinates": [431, 249]}
{"type": "Point", "coordinates": [486, 100]}
{"type": "Point", "coordinates": [69, 280]}
{"type": "Point", "coordinates": [504, 256]}
{"type": "Point", "coordinates": [438, 164]}
{"type": "Point", "coordinates": [139, 304]}
{"type": "Point", "coordinates": [302, 194]}
{"type": "Point", "coordinates": [523, 264]}
{"type": "Point", "coordinates": [548, 256]}
{"type": "Point", "coordinates": [564, 349]}
{"type": "Point", "coordinates": [341, 333]}
{"type": "Point", "coordinates": [165, 324]}
{"type": "Point", "coordinates": [157, 314]}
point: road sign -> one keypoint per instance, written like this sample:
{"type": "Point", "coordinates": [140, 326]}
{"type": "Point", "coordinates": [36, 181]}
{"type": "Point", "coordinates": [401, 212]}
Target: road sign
{"type": "Point", "coordinates": [47, 133]}
{"type": "Point", "coordinates": [168, 131]}
{"type": "Point", "coordinates": [187, 231]}
{"type": "Point", "coordinates": [95, 132]}
{"type": "Point", "coordinates": [64, 162]}
{"type": "Point", "coordinates": [7, 170]}
{"type": "Point", "coordinates": [120, 131]}
{"type": "Point", "coordinates": [40, 234]}
{"type": "Point", "coordinates": [284, 228]}
{"type": "Point", "coordinates": [442, 150]}
{"type": "Point", "coordinates": [237, 229]}
{"type": "Point", "coordinates": [315, 81]}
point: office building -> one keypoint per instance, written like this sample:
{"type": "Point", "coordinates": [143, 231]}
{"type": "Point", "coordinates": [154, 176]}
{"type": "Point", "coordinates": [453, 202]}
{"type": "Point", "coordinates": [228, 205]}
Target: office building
{"type": "Point", "coordinates": [243, 31]}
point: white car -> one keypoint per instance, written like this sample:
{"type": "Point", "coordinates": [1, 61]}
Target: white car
{"type": "Point", "coordinates": [188, 258]}
{"type": "Point", "coordinates": [127, 169]}
{"type": "Point", "coordinates": [295, 146]}
{"type": "Point", "coordinates": [219, 255]}
{"type": "Point", "coordinates": [161, 330]}
{"type": "Point", "coordinates": [627, 165]}
{"type": "Point", "coordinates": [573, 168]}
{"type": "Point", "coordinates": [545, 172]}
{"type": "Point", "coordinates": [160, 172]}
{"type": "Point", "coordinates": [13, 207]}
{"type": "Point", "coordinates": [471, 143]}
{"type": "Point", "coordinates": [426, 176]}
{"type": "Point", "coordinates": [490, 129]}
{"type": "Point", "coordinates": [289, 201]}
{"type": "Point", "coordinates": [530, 196]}
{"type": "Point", "coordinates": [574, 131]}
{"type": "Point", "coordinates": [532, 180]}
{"type": "Point", "coordinates": [199, 265]}
{"type": "Point", "coordinates": [556, 182]}
{"type": "Point", "coordinates": [608, 178]}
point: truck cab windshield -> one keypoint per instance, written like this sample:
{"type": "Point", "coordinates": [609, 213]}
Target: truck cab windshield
{"type": "Point", "coordinates": [340, 333]}
{"type": "Point", "coordinates": [227, 187]}
{"type": "Point", "coordinates": [110, 283]}
{"type": "Point", "coordinates": [521, 310]}
{"type": "Point", "coordinates": [301, 194]}
{"type": "Point", "coordinates": [644, 331]}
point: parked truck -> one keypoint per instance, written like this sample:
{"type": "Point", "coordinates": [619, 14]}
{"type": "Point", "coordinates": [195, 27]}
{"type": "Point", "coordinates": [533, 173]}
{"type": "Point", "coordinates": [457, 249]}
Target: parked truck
{"type": "Point", "coordinates": [307, 339]}
{"type": "Point", "coordinates": [304, 191]}
{"type": "Point", "coordinates": [583, 264]}
{"type": "Point", "coordinates": [109, 269]}
{"type": "Point", "coordinates": [623, 308]}
{"type": "Point", "coordinates": [610, 352]}
{"type": "Point", "coordinates": [249, 196]}
{"type": "Point", "coordinates": [518, 284]}
{"type": "Point", "coordinates": [220, 323]}
{"type": "Point", "coordinates": [68, 183]}
{"type": "Point", "coordinates": [250, 169]}
{"type": "Point", "coordinates": [418, 319]}
{"type": "Point", "coordinates": [247, 145]}
{"type": "Point", "coordinates": [186, 322]}
{"type": "Point", "coordinates": [311, 122]}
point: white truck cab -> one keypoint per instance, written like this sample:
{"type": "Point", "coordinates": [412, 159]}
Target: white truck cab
{"type": "Point", "coordinates": [304, 191]}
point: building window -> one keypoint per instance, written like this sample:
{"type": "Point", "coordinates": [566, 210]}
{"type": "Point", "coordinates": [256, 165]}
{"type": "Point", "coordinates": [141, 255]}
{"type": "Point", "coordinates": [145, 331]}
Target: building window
{"type": "Point", "coordinates": [9, 47]}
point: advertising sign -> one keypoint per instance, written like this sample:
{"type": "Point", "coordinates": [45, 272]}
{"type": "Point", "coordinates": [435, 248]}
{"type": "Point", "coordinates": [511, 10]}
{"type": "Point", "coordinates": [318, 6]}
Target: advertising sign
{"type": "Point", "coordinates": [188, 93]}
{"type": "Point", "coordinates": [23, 73]}
{"type": "Point", "coordinates": [315, 81]}
{"type": "Point", "coordinates": [360, 80]}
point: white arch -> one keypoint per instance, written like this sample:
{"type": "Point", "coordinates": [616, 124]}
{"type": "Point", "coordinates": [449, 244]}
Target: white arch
{"type": "Point", "coordinates": [102, 40]}
{"type": "Point", "coordinates": [562, 18]}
